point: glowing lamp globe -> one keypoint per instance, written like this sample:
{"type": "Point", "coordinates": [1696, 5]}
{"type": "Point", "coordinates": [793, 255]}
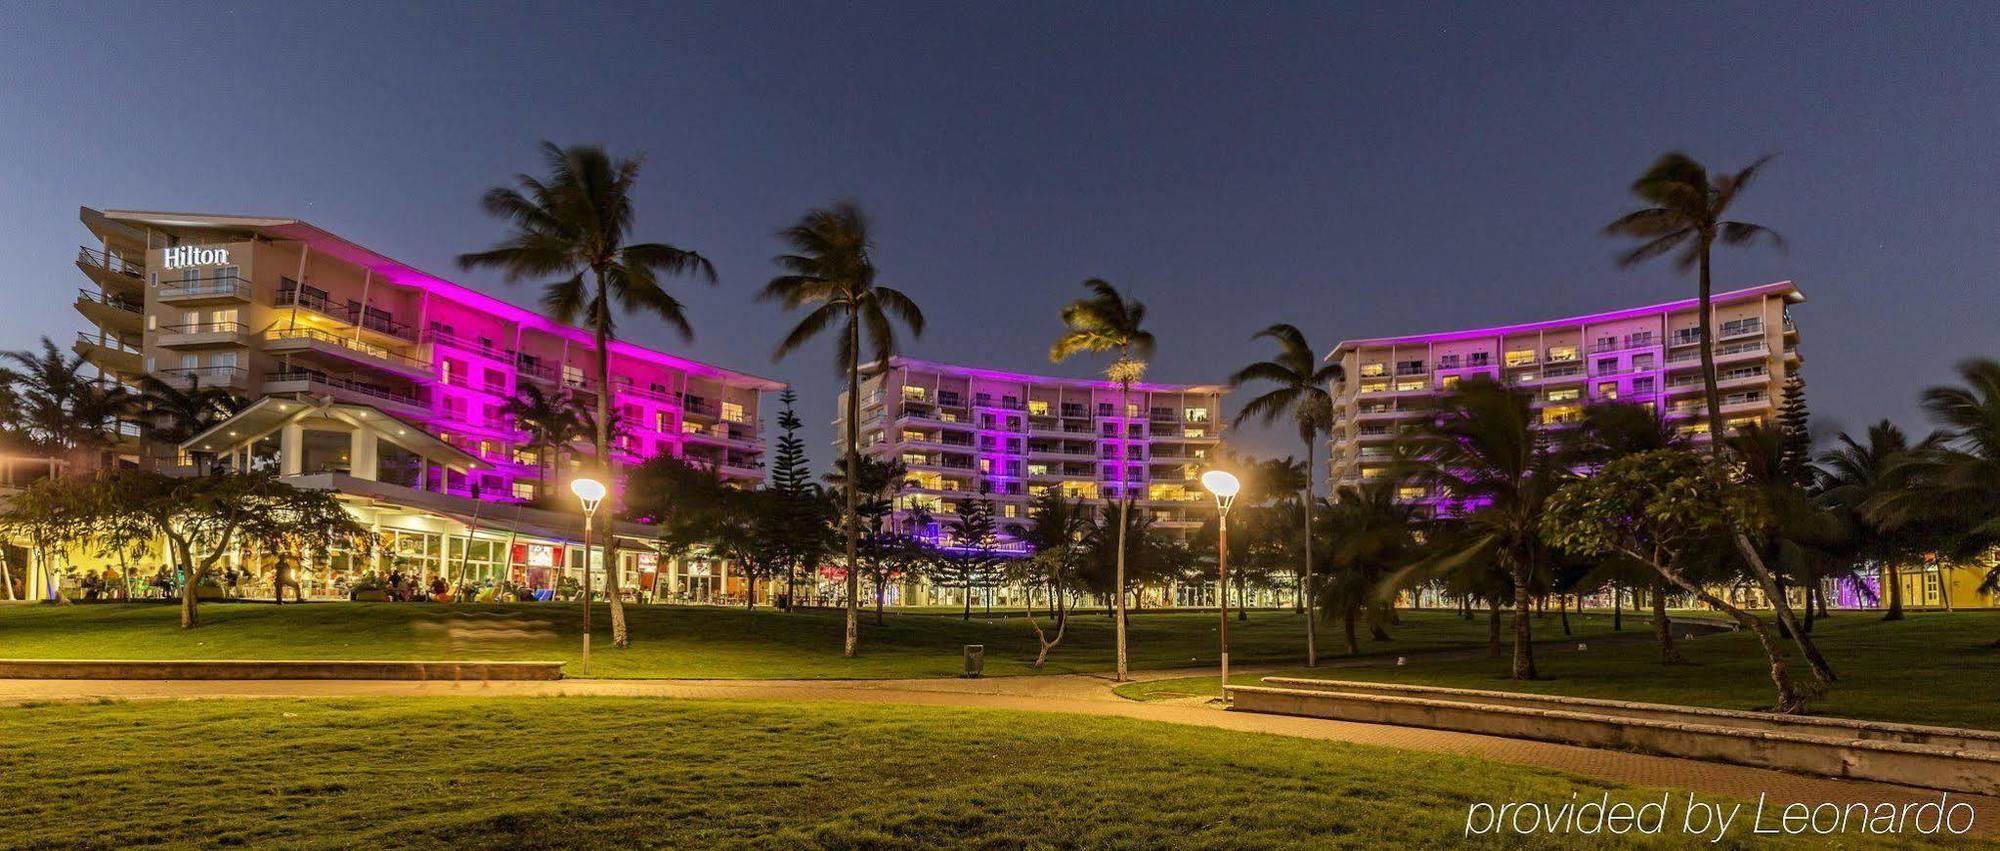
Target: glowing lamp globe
{"type": "Point", "coordinates": [1221, 483]}
{"type": "Point", "coordinates": [589, 490]}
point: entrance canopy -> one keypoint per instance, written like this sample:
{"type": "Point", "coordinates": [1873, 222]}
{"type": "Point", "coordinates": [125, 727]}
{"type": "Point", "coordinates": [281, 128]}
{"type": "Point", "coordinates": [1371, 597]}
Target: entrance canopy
{"type": "Point", "coordinates": [323, 436]}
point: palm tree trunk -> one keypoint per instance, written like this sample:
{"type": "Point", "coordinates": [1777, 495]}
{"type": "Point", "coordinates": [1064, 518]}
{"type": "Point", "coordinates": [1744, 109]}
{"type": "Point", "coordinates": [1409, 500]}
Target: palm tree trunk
{"type": "Point", "coordinates": [1709, 393]}
{"type": "Point", "coordinates": [1310, 604]}
{"type": "Point", "coordinates": [1788, 696]}
{"type": "Point", "coordinates": [1524, 603]}
{"type": "Point", "coordinates": [1562, 609]}
{"type": "Point", "coordinates": [1347, 631]}
{"type": "Point", "coordinates": [852, 645]}
{"type": "Point", "coordinates": [619, 636]}
{"type": "Point", "coordinates": [1617, 608]}
{"type": "Point", "coordinates": [1124, 521]}
{"type": "Point", "coordinates": [1775, 589]}
{"type": "Point", "coordinates": [1895, 583]}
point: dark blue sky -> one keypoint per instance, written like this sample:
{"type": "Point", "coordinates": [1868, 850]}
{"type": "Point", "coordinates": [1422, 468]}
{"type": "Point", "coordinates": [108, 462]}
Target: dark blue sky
{"type": "Point", "coordinates": [1355, 170]}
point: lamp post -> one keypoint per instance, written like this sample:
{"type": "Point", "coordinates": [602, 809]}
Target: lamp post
{"type": "Point", "coordinates": [1224, 486]}
{"type": "Point", "coordinates": [590, 492]}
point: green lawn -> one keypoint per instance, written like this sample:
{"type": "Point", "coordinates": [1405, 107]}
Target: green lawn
{"type": "Point", "coordinates": [622, 773]}
{"type": "Point", "coordinates": [1933, 668]}
{"type": "Point", "coordinates": [671, 641]}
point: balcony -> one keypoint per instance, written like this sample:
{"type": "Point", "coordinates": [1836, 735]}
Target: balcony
{"type": "Point", "coordinates": [233, 377]}
{"type": "Point", "coordinates": [552, 375]}
{"type": "Point", "coordinates": [108, 353]}
{"type": "Point", "coordinates": [314, 381]}
{"type": "Point", "coordinates": [114, 312]}
{"type": "Point", "coordinates": [203, 335]}
{"type": "Point", "coordinates": [351, 314]}
{"type": "Point", "coordinates": [441, 337]}
{"type": "Point", "coordinates": [111, 271]}
{"type": "Point", "coordinates": [345, 348]}
{"type": "Point", "coordinates": [215, 289]}
{"type": "Point", "coordinates": [1734, 351]}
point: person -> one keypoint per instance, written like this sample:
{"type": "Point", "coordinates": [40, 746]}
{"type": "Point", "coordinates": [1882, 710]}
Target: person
{"type": "Point", "coordinates": [437, 587]}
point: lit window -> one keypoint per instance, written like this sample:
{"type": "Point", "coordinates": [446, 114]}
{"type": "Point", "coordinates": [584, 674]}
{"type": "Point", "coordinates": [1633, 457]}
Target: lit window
{"type": "Point", "coordinates": [986, 465]}
{"type": "Point", "coordinates": [1372, 370]}
{"type": "Point", "coordinates": [690, 427]}
{"type": "Point", "coordinates": [915, 394]}
{"type": "Point", "coordinates": [1410, 493]}
{"type": "Point", "coordinates": [1038, 469]}
{"type": "Point", "coordinates": [1009, 510]}
{"type": "Point", "coordinates": [915, 459]}
{"type": "Point", "coordinates": [524, 489]}
{"type": "Point", "coordinates": [1520, 357]}
{"type": "Point", "coordinates": [1374, 386]}
{"type": "Point", "coordinates": [1410, 384]}
{"type": "Point", "coordinates": [1038, 408]}
{"type": "Point", "coordinates": [1448, 382]}
{"type": "Point", "coordinates": [1191, 431]}
{"type": "Point", "coordinates": [1197, 415]}
{"type": "Point", "coordinates": [732, 412]}
{"type": "Point", "coordinates": [1562, 353]}
{"type": "Point", "coordinates": [1566, 394]}
{"type": "Point", "coordinates": [1607, 390]}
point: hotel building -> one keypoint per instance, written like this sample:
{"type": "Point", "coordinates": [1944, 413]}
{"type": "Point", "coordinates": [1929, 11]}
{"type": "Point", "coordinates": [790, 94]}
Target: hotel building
{"type": "Point", "coordinates": [372, 377]}
{"type": "Point", "coordinates": [961, 430]}
{"type": "Point", "coordinates": [1650, 355]}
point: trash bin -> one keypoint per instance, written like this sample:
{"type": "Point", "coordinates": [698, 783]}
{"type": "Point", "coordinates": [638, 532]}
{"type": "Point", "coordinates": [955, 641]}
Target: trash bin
{"type": "Point", "coordinates": [975, 659]}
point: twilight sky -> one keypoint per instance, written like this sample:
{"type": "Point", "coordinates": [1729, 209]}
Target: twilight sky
{"type": "Point", "coordinates": [1355, 170]}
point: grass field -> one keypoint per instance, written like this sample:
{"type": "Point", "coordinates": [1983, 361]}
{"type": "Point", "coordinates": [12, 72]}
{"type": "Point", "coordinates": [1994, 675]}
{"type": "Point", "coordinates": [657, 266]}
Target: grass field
{"type": "Point", "coordinates": [671, 641]}
{"type": "Point", "coordinates": [1933, 668]}
{"type": "Point", "coordinates": [622, 773]}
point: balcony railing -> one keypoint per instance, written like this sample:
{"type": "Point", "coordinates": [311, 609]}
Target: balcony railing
{"type": "Point", "coordinates": [349, 313]}
{"type": "Point", "coordinates": [316, 377]}
{"type": "Point", "coordinates": [207, 374]}
{"type": "Point", "coordinates": [205, 328]}
{"type": "Point", "coordinates": [443, 337]}
{"type": "Point", "coordinates": [233, 286]}
{"type": "Point", "coordinates": [107, 341]}
{"type": "Point", "coordinates": [108, 262]}
{"type": "Point", "coordinates": [348, 343]}
{"type": "Point", "coordinates": [110, 301]}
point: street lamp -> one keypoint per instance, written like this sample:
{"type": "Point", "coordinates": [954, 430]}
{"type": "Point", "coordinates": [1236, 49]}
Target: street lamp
{"type": "Point", "coordinates": [590, 492]}
{"type": "Point", "coordinates": [1224, 486]}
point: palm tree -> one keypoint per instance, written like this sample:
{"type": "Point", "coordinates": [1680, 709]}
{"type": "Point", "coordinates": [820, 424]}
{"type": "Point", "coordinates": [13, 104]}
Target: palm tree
{"type": "Point", "coordinates": [1684, 216]}
{"type": "Point", "coordinates": [1954, 487]}
{"type": "Point", "coordinates": [1301, 390]}
{"type": "Point", "coordinates": [832, 265]}
{"type": "Point", "coordinates": [1371, 535]}
{"type": "Point", "coordinates": [1484, 452]}
{"type": "Point", "coordinates": [173, 415]}
{"type": "Point", "coordinates": [575, 223]}
{"type": "Point", "coordinates": [61, 409]}
{"type": "Point", "coordinates": [551, 422]}
{"type": "Point", "coordinates": [1058, 525]}
{"type": "Point", "coordinates": [1864, 479]}
{"type": "Point", "coordinates": [1107, 322]}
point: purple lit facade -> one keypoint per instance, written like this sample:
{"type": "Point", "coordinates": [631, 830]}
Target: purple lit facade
{"type": "Point", "coordinates": [962, 429]}
{"type": "Point", "coordinates": [273, 307]}
{"type": "Point", "coordinates": [1649, 355]}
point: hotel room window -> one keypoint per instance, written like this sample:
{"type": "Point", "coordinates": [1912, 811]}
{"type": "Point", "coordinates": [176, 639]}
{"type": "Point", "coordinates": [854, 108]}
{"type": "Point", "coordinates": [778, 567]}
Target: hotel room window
{"type": "Point", "coordinates": [1520, 357]}
{"type": "Point", "coordinates": [524, 489]}
{"type": "Point", "coordinates": [732, 412]}
{"type": "Point", "coordinates": [1562, 353]}
{"type": "Point", "coordinates": [1607, 390]}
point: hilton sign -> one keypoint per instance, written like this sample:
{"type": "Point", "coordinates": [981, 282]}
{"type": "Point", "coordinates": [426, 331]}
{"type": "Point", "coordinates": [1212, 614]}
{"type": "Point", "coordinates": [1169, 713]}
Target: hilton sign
{"type": "Point", "coordinates": [184, 256]}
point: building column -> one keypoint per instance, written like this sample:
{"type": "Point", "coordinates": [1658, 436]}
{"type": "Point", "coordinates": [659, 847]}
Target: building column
{"type": "Point", "coordinates": [291, 449]}
{"type": "Point", "coordinates": [361, 460]}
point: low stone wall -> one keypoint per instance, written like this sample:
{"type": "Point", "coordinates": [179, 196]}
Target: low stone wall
{"type": "Point", "coordinates": [1956, 738]}
{"type": "Point", "coordinates": [1925, 765]}
{"type": "Point", "coordinates": [270, 669]}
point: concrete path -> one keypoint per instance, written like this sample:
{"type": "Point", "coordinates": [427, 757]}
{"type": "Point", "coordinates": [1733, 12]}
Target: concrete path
{"type": "Point", "coordinates": [1073, 693]}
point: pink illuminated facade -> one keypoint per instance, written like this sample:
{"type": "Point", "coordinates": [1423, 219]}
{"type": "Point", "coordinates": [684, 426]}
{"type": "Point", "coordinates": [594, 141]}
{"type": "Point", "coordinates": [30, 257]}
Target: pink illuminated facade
{"type": "Point", "coordinates": [962, 429]}
{"type": "Point", "coordinates": [1649, 355]}
{"type": "Point", "coordinates": [275, 308]}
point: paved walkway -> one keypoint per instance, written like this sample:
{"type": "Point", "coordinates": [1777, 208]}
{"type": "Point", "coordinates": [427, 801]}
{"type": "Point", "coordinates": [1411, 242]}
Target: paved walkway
{"type": "Point", "coordinates": [1072, 693]}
